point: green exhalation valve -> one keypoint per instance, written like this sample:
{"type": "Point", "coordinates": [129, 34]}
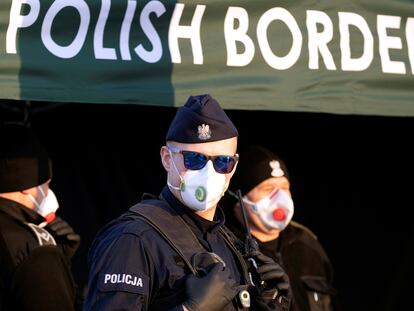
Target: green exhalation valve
{"type": "Point", "coordinates": [201, 194]}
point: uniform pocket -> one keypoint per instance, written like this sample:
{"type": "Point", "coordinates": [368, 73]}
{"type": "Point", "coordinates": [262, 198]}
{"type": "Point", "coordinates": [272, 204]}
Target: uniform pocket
{"type": "Point", "coordinates": [319, 293]}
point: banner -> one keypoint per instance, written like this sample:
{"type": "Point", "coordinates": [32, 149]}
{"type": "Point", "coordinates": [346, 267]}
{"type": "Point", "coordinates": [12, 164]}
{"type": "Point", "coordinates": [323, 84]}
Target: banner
{"type": "Point", "coordinates": [343, 57]}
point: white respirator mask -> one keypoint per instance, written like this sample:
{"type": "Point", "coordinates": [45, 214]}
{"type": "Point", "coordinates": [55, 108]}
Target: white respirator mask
{"type": "Point", "coordinates": [48, 206]}
{"type": "Point", "coordinates": [201, 189]}
{"type": "Point", "coordinates": [275, 210]}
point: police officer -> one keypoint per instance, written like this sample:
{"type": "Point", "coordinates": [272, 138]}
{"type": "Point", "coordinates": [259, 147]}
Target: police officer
{"type": "Point", "coordinates": [173, 252]}
{"type": "Point", "coordinates": [263, 179]}
{"type": "Point", "coordinates": [35, 244]}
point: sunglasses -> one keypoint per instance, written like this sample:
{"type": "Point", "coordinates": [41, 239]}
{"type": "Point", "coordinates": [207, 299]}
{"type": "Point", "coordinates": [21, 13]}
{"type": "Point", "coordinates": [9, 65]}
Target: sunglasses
{"type": "Point", "coordinates": [222, 164]}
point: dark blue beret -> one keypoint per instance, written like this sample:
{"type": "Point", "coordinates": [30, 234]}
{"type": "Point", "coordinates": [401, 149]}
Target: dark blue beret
{"type": "Point", "coordinates": [201, 120]}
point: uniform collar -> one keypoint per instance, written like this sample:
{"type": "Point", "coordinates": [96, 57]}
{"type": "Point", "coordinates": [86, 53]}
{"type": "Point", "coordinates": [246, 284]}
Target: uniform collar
{"type": "Point", "coordinates": [19, 212]}
{"type": "Point", "coordinates": [191, 217]}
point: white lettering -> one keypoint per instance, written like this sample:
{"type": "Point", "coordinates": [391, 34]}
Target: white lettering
{"type": "Point", "coordinates": [272, 60]}
{"type": "Point", "coordinates": [20, 21]}
{"type": "Point", "coordinates": [128, 279]}
{"type": "Point", "coordinates": [123, 278]}
{"type": "Point", "coordinates": [233, 35]}
{"type": "Point", "coordinates": [100, 51]}
{"type": "Point", "coordinates": [113, 278]}
{"type": "Point", "coordinates": [107, 278]}
{"type": "Point", "coordinates": [155, 55]}
{"type": "Point", "coordinates": [72, 49]}
{"type": "Point", "coordinates": [388, 42]}
{"type": "Point", "coordinates": [364, 61]}
{"type": "Point", "coordinates": [125, 29]}
{"type": "Point", "coordinates": [409, 33]}
{"type": "Point", "coordinates": [318, 41]}
{"type": "Point", "coordinates": [191, 32]}
{"type": "Point", "coordinates": [239, 44]}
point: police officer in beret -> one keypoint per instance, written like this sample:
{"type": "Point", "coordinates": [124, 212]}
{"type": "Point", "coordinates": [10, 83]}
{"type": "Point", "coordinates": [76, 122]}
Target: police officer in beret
{"type": "Point", "coordinates": [263, 178]}
{"type": "Point", "coordinates": [36, 245]}
{"type": "Point", "coordinates": [172, 251]}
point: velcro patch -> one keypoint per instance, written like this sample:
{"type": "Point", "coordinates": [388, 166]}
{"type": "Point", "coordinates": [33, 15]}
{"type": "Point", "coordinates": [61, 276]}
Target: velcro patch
{"type": "Point", "coordinates": [127, 282]}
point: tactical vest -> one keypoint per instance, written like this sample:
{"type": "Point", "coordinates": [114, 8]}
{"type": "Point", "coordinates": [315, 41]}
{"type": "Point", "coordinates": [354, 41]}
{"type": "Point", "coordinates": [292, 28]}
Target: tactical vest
{"type": "Point", "coordinates": [173, 229]}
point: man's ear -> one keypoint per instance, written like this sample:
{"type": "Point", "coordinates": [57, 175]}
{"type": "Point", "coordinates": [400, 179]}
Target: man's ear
{"type": "Point", "coordinates": [165, 158]}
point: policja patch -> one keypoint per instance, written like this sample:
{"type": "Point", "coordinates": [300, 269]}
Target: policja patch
{"type": "Point", "coordinates": [127, 282]}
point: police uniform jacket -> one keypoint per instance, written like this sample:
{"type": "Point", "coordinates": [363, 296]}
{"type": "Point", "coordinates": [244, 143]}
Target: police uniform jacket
{"type": "Point", "coordinates": [306, 263]}
{"type": "Point", "coordinates": [34, 273]}
{"type": "Point", "coordinates": [131, 267]}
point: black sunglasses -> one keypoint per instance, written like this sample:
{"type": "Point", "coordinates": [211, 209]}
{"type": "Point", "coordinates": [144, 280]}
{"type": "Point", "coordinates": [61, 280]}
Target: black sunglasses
{"type": "Point", "coordinates": [223, 164]}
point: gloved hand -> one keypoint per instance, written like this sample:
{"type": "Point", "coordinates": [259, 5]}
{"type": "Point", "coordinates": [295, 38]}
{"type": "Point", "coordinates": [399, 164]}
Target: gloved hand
{"type": "Point", "coordinates": [65, 236]}
{"type": "Point", "coordinates": [274, 293]}
{"type": "Point", "coordinates": [211, 292]}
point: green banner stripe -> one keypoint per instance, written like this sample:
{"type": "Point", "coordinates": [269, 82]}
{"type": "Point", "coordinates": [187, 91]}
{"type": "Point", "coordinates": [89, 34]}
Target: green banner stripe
{"type": "Point", "coordinates": [347, 58]}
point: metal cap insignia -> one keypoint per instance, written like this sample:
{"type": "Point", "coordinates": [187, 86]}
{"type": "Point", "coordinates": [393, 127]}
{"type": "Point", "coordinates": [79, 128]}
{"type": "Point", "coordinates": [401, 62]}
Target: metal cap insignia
{"type": "Point", "coordinates": [204, 132]}
{"type": "Point", "coordinates": [276, 170]}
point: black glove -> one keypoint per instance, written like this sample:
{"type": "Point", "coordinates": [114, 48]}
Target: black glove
{"type": "Point", "coordinates": [64, 236]}
{"type": "Point", "coordinates": [274, 293]}
{"type": "Point", "coordinates": [211, 292]}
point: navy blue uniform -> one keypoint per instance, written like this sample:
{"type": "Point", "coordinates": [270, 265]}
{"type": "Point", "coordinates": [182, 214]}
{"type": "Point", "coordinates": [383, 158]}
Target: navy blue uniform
{"type": "Point", "coordinates": [133, 268]}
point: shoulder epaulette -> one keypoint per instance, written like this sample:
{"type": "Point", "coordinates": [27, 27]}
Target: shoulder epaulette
{"type": "Point", "coordinates": [304, 228]}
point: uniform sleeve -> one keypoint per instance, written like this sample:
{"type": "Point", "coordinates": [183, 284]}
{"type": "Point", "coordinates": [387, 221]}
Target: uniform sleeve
{"type": "Point", "coordinates": [43, 281]}
{"type": "Point", "coordinates": [119, 275]}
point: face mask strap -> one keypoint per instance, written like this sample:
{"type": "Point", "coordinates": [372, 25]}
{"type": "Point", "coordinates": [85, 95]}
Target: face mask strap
{"type": "Point", "coordinates": [41, 191]}
{"type": "Point", "coordinates": [253, 205]}
{"type": "Point", "coordinates": [32, 198]}
{"type": "Point", "coordinates": [178, 173]}
{"type": "Point", "coordinates": [250, 204]}
{"type": "Point", "coordinates": [246, 200]}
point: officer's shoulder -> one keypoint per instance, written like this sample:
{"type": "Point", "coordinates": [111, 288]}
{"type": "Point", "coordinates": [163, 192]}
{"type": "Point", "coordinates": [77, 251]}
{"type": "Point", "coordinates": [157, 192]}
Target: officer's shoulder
{"type": "Point", "coordinates": [138, 221]}
{"type": "Point", "coordinates": [305, 231]}
{"type": "Point", "coordinates": [13, 231]}
{"type": "Point", "coordinates": [126, 223]}
{"type": "Point", "coordinates": [18, 240]}
{"type": "Point", "coordinates": [303, 235]}
{"type": "Point", "coordinates": [137, 227]}
{"type": "Point", "coordinates": [131, 222]}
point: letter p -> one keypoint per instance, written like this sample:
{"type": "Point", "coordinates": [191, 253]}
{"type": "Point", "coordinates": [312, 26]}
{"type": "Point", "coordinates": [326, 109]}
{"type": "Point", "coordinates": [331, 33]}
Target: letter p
{"type": "Point", "coordinates": [107, 278]}
{"type": "Point", "coordinates": [20, 21]}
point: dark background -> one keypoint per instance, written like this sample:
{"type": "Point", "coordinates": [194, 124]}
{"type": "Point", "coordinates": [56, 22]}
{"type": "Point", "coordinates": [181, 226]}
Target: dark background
{"type": "Point", "coordinates": [351, 176]}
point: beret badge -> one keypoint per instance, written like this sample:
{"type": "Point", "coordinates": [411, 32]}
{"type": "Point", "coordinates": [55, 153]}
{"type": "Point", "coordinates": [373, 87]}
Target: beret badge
{"type": "Point", "coordinates": [276, 170]}
{"type": "Point", "coordinates": [204, 132]}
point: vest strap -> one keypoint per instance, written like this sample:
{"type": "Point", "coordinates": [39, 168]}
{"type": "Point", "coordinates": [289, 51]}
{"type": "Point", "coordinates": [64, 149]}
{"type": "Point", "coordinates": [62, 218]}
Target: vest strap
{"type": "Point", "coordinates": [165, 220]}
